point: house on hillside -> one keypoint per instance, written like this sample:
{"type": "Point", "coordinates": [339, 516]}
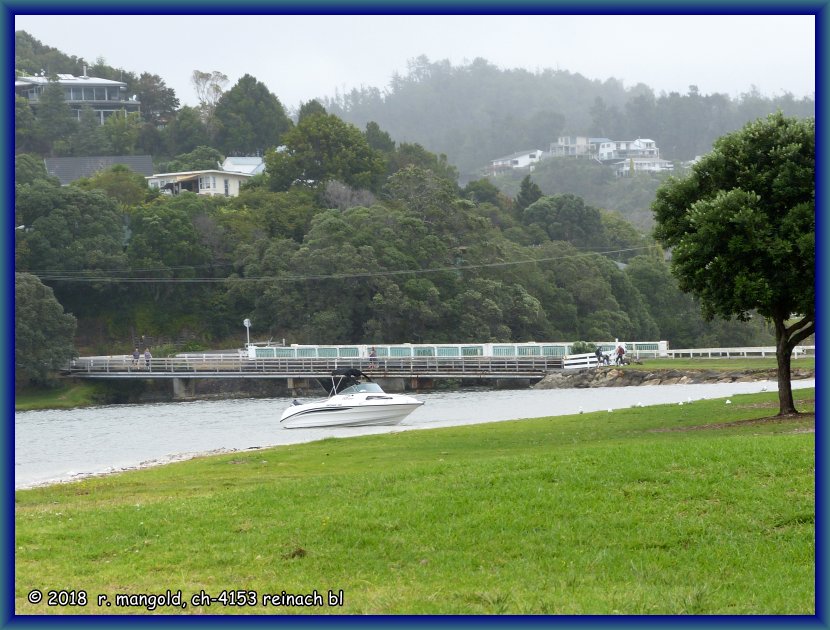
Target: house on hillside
{"type": "Point", "coordinates": [70, 169]}
{"type": "Point", "coordinates": [571, 146]}
{"type": "Point", "coordinates": [639, 148]}
{"type": "Point", "coordinates": [516, 161]}
{"type": "Point", "coordinates": [103, 96]}
{"type": "Point", "coordinates": [633, 165]}
{"type": "Point", "coordinates": [206, 182]}
{"type": "Point", "coordinates": [603, 149]}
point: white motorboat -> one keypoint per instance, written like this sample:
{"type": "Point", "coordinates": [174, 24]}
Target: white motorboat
{"type": "Point", "coordinates": [357, 404]}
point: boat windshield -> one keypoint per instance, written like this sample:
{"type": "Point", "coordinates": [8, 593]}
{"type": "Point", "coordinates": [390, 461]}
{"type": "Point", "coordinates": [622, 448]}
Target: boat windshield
{"type": "Point", "coordinates": [363, 388]}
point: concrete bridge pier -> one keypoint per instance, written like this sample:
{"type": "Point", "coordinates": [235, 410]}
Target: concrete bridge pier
{"type": "Point", "coordinates": [184, 388]}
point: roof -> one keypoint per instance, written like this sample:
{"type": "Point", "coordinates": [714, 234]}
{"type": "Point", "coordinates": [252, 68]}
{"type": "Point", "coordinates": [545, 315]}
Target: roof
{"type": "Point", "coordinates": [66, 79]}
{"type": "Point", "coordinates": [250, 165]}
{"type": "Point", "coordinates": [69, 169]}
{"type": "Point", "coordinates": [185, 175]}
{"type": "Point", "coordinates": [516, 155]}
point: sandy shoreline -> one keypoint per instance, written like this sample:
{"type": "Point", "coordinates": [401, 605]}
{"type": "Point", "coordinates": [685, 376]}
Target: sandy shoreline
{"type": "Point", "coordinates": [150, 463]}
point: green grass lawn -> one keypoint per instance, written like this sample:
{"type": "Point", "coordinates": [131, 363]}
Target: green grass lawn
{"type": "Point", "coordinates": [731, 364]}
{"type": "Point", "coordinates": [693, 509]}
{"type": "Point", "coordinates": [63, 396]}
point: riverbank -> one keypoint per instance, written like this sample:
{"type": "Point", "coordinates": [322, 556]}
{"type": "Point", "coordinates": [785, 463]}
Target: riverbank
{"type": "Point", "coordinates": [632, 376]}
{"type": "Point", "coordinates": [78, 393]}
{"type": "Point", "coordinates": [602, 514]}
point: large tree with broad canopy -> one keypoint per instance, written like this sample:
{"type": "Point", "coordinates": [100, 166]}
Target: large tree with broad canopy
{"type": "Point", "coordinates": [742, 229]}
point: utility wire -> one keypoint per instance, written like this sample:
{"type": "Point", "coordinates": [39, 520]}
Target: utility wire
{"type": "Point", "coordinates": [70, 277]}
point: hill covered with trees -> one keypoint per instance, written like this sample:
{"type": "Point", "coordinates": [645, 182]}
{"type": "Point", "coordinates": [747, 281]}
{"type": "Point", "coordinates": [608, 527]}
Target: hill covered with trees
{"type": "Point", "coordinates": [351, 236]}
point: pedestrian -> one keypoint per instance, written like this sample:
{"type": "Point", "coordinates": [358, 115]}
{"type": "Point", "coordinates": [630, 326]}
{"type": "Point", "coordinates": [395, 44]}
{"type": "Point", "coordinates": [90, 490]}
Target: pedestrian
{"type": "Point", "coordinates": [620, 354]}
{"type": "Point", "coordinates": [372, 358]}
{"type": "Point", "coordinates": [147, 357]}
{"type": "Point", "coordinates": [136, 356]}
{"type": "Point", "coordinates": [598, 353]}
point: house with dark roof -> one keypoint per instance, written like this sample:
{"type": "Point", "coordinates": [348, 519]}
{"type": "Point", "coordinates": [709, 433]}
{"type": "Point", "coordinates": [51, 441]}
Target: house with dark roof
{"type": "Point", "coordinates": [69, 169]}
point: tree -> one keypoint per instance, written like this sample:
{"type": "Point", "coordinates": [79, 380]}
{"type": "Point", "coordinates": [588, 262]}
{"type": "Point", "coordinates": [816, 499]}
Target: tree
{"type": "Point", "coordinates": [25, 131]}
{"type": "Point", "coordinates": [321, 148]}
{"type": "Point", "coordinates": [43, 333]}
{"type": "Point", "coordinates": [529, 192]}
{"type": "Point", "coordinates": [249, 119]}
{"type": "Point", "coordinates": [209, 88]}
{"type": "Point", "coordinates": [311, 108]}
{"type": "Point", "coordinates": [199, 159]}
{"type": "Point", "coordinates": [54, 118]}
{"type": "Point", "coordinates": [742, 226]}
{"type": "Point", "coordinates": [119, 182]}
{"type": "Point", "coordinates": [89, 139]}
{"type": "Point", "coordinates": [158, 102]}
{"type": "Point", "coordinates": [122, 129]}
{"type": "Point", "coordinates": [567, 218]}
{"type": "Point", "coordinates": [378, 139]}
{"type": "Point", "coordinates": [28, 169]}
{"type": "Point", "coordinates": [186, 132]}
{"type": "Point", "coordinates": [78, 235]}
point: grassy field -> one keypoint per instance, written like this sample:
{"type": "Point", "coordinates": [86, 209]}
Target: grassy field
{"type": "Point", "coordinates": [731, 364]}
{"type": "Point", "coordinates": [704, 508]}
{"type": "Point", "coordinates": [63, 396]}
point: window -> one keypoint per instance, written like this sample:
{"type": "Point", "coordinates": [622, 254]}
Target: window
{"type": "Point", "coordinates": [227, 188]}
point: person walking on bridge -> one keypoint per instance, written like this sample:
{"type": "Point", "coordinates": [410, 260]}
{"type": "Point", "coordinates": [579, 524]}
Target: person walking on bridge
{"type": "Point", "coordinates": [147, 357]}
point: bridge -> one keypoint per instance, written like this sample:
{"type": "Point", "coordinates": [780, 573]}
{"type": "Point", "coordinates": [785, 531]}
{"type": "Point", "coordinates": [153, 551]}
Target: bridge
{"type": "Point", "coordinates": [396, 372]}
{"type": "Point", "coordinates": [233, 366]}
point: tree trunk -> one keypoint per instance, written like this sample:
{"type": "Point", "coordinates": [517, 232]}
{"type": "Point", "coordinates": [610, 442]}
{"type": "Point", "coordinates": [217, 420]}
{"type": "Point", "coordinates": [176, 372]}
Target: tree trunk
{"type": "Point", "coordinates": [783, 352]}
{"type": "Point", "coordinates": [786, 340]}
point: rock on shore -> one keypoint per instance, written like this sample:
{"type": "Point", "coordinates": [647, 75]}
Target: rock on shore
{"type": "Point", "coordinates": [616, 377]}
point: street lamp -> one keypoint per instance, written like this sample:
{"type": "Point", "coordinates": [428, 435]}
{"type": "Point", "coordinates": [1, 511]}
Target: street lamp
{"type": "Point", "coordinates": [247, 324]}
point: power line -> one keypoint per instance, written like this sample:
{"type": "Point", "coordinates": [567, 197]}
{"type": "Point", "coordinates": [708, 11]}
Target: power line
{"type": "Point", "coordinates": [70, 277]}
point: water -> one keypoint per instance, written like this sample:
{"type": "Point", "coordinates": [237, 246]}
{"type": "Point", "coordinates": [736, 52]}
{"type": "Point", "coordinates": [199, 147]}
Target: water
{"type": "Point", "coordinates": [61, 445]}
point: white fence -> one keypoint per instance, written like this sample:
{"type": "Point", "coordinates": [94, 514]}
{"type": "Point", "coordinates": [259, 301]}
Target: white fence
{"type": "Point", "coordinates": [728, 353]}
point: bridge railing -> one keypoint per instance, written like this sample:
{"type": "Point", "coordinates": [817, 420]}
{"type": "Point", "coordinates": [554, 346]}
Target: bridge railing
{"type": "Point", "coordinates": [729, 353]}
{"type": "Point", "coordinates": [202, 366]}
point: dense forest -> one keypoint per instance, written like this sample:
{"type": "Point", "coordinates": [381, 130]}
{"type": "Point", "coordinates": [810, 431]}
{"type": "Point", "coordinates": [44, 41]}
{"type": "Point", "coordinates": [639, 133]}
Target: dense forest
{"type": "Point", "coordinates": [477, 112]}
{"type": "Point", "coordinates": [354, 234]}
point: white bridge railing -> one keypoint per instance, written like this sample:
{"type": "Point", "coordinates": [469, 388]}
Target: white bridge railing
{"type": "Point", "coordinates": [232, 366]}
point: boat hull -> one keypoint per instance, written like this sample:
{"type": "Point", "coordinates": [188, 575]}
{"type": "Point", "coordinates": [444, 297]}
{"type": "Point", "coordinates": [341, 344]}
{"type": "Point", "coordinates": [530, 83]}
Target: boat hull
{"type": "Point", "coordinates": [313, 416]}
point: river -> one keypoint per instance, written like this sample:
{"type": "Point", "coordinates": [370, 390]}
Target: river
{"type": "Point", "coordinates": [62, 445]}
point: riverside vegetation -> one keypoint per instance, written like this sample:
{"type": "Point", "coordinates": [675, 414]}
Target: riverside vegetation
{"type": "Point", "coordinates": [704, 508]}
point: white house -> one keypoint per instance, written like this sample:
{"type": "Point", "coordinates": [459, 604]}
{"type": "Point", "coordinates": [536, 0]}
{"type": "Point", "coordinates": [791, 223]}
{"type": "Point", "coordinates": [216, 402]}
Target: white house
{"type": "Point", "coordinates": [207, 182]}
{"type": "Point", "coordinates": [641, 147]}
{"type": "Point", "coordinates": [103, 96]}
{"type": "Point", "coordinates": [520, 160]}
{"type": "Point", "coordinates": [624, 168]}
{"type": "Point", "coordinates": [570, 146]}
{"type": "Point", "coordinates": [603, 149]}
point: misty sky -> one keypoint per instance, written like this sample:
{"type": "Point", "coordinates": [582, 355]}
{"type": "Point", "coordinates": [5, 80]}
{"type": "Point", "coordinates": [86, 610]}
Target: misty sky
{"type": "Point", "coordinates": [303, 57]}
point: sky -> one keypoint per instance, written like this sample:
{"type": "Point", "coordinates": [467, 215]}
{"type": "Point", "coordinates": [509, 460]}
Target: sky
{"type": "Point", "coordinates": [315, 56]}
